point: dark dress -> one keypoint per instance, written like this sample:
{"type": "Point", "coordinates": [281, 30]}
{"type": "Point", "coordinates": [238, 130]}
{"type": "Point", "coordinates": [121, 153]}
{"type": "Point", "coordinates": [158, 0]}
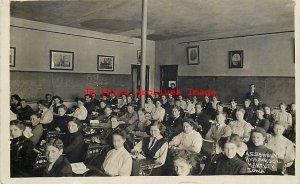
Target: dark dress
{"type": "Point", "coordinates": [61, 122]}
{"type": "Point", "coordinates": [202, 120]}
{"type": "Point", "coordinates": [248, 116]}
{"type": "Point", "coordinates": [90, 107]}
{"type": "Point", "coordinates": [233, 166]}
{"type": "Point", "coordinates": [263, 123]}
{"type": "Point", "coordinates": [207, 108]}
{"type": "Point", "coordinates": [73, 144]}
{"type": "Point", "coordinates": [61, 168]}
{"type": "Point", "coordinates": [13, 107]}
{"type": "Point", "coordinates": [25, 113]}
{"type": "Point", "coordinates": [173, 127]}
{"type": "Point", "coordinates": [113, 102]}
{"type": "Point", "coordinates": [21, 156]}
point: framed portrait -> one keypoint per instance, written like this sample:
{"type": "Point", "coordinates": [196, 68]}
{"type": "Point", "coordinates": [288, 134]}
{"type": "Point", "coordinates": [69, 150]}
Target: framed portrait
{"type": "Point", "coordinates": [105, 63]}
{"type": "Point", "coordinates": [12, 59]}
{"type": "Point", "coordinates": [236, 59]}
{"type": "Point", "coordinates": [139, 57]}
{"type": "Point", "coordinates": [193, 55]}
{"type": "Point", "coordinates": [61, 60]}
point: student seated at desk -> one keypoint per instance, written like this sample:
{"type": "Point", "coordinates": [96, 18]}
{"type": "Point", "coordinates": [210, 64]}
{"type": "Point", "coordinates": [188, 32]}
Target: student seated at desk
{"type": "Point", "coordinates": [166, 105]}
{"type": "Point", "coordinates": [48, 99]}
{"type": "Point", "coordinates": [15, 104]}
{"type": "Point", "coordinates": [228, 163]}
{"type": "Point", "coordinates": [207, 106]}
{"type": "Point", "coordinates": [89, 105]}
{"type": "Point", "coordinates": [159, 112]}
{"type": "Point", "coordinates": [25, 111]}
{"type": "Point", "coordinates": [201, 119]}
{"type": "Point", "coordinates": [240, 126]}
{"type": "Point", "coordinates": [232, 110]}
{"type": "Point", "coordinates": [21, 150]}
{"type": "Point", "coordinates": [104, 120]}
{"type": "Point", "coordinates": [171, 99]}
{"type": "Point", "coordinates": [189, 139]}
{"type": "Point", "coordinates": [118, 161]}
{"type": "Point", "coordinates": [184, 163]}
{"type": "Point", "coordinates": [177, 104]}
{"type": "Point", "coordinates": [214, 102]}
{"type": "Point", "coordinates": [241, 146]}
{"type": "Point", "coordinates": [106, 137]}
{"type": "Point", "coordinates": [218, 129]}
{"type": "Point", "coordinates": [149, 106]}
{"type": "Point", "coordinates": [282, 115]}
{"type": "Point", "coordinates": [248, 116]}
{"type": "Point", "coordinates": [130, 116]}
{"type": "Point", "coordinates": [153, 147]}
{"type": "Point", "coordinates": [102, 105]}
{"type": "Point", "coordinates": [174, 125]}
{"type": "Point", "coordinates": [37, 128]}
{"type": "Point", "coordinates": [47, 115]}
{"type": "Point", "coordinates": [59, 166]}
{"type": "Point", "coordinates": [73, 141]}
{"type": "Point", "coordinates": [113, 101]}
{"type": "Point", "coordinates": [260, 121]}
{"type": "Point", "coordinates": [190, 107]}
{"type": "Point", "coordinates": [284, 148]}
{"type": "Point", "coordinates": [139, 127]}
{"type": "Point", "coordinates": [81, 112]}
{"type": "Point", "coordinates": [182, 103]}
{"type": "Point", "coordinates": [60, 122]}
{"type": "Point", "coordinates": [123, 101]}
{"type": "Point", "coordinates": [56, 102]}
{"type": "Point", "coordinates": [220, 109]}
{"type": "Point", "coordinates": [260, 159]}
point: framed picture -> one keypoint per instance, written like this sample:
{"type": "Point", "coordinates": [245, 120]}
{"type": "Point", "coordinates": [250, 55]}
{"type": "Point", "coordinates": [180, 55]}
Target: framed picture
{"type": "Point", "coordinates": [105, 63]}
{"type": "Point", "coordinates": [12, 60]}
{"type": "Point", "coordinates": [236, 59]}
{"type": "Point", "coordinates": [139, 57]}
{"type": "Point", "coordinates": [193, 55]}
{"type": "Point", "coordinates": [61, 60]}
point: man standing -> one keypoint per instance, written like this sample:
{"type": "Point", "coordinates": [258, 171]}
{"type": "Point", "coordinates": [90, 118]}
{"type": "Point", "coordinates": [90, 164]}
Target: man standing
{"type": "Point", "coordinates": [252, 94]}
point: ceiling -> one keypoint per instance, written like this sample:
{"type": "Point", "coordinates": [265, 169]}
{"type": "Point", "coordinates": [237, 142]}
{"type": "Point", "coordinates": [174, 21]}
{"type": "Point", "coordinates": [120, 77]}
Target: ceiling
{"type": "Point", "coordinates": [167, 19]}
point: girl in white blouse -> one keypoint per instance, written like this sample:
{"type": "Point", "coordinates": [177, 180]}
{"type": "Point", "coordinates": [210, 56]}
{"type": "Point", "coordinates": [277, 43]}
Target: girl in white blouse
{"type": "Point", "coordinates": [149, 106]}
{"type": "Point", "coordinates": [159, 113]}
{"type": "Point", "coordinates": [153, 147]}
{"type": "Point", "coordinates": [118, 161]}
{"type": "Point", "coordinates": [80, 112]}
{"type": "Point", "coordinates": [189, 139]}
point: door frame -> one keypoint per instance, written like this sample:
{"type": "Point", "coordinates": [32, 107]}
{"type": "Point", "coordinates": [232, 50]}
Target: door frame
{"type": "Point", "coordinates": [160, 77]}
{"type": "Point", "coordinates": [147, 82]}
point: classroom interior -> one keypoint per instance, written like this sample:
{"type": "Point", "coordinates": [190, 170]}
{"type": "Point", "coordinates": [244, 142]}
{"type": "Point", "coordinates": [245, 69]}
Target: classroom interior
{"type": "Point", "coordinates": [262, 30]}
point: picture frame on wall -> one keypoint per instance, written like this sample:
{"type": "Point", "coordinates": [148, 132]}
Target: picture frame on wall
{"type": "Point", "coordinates": [105, 63]}
{"type": "Point", "coordinates": [61, 60]}
{"type": "Point", "coordinates": [236, 59]}
{"type": "Point", "coordinates": [12, 59]}
{"type": "Point", "coordinates": [139, 57]}
{"type": "Point", "coordinates": [193, 55]}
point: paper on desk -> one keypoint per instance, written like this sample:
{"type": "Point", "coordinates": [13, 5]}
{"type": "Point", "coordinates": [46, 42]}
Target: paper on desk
{"type": "Point", "coordinates": [94, 122]}
{"type": "Point", "coordinates": [79, 168]}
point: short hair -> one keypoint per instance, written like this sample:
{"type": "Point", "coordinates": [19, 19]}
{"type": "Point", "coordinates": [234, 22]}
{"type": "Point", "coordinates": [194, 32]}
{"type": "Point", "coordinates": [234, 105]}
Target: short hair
{"type": "Point", "coordinates": [121, 133]}
{"type": "Point", "coordinates": [234, 136]}
{"type": "Point", "coordinates": [247, 100]}
{"type": "Point", "coordinates": [187, 156]}
{"type": "Point", "coordinates": [22, 100]}
{"type": "Point", "coordinates": [281, 123]}
{"type": "Point", "coordinates": [158, 100]}
{"type": "Point", "coordinates": [221, 142]}
{"type": "Point", "coordinates": [177, 107]}
{"type": "Point", "coordinates": [62, 106]}
{"type": "Point", "coordinates": [77, 122]}
{"type": "Point", "coordinates": [57, 143]}
{"type": "Point", "coordinates": [259, 130]}
{"type": "Point", "coordinates": [60, 99]}
{"type": "Point", "coordinates": [37, 114]}
{"type": "Point", "coordinates": [260, 109]}
{"type": "Point", "coordinates": [233, 100]}
{"type": "Point", "coordinates": [224, 114]}
{"type": "Point", "coordinates": [108, 107]}
{"type": "Point", "coordinates": [198, 103]}
{"type": "Point", "coordinates": [15, 96]}
{"type": "Point", "coordinates": [156, 123]}
{"type": "Point", "coordinates": [19, 124]}
{"type": "Point", "coordinates": [191, 122]}
{"type": "Point", "coordinates": [148, 96]}
{"type": "Point", "coordinates": [79, 99]}
{"type": "Point", "coordinates": [220, 104]}
{"type": "Point", "coordinates": [242, 110]}
{"type": "Point", "coordinates": [281, 103]}
{"type": "Point", "coordinates": [44, 103]}
{"type": "Point", "coordinates": [48, 94]}
{"type": "Point", "coordinates": [251, 85]}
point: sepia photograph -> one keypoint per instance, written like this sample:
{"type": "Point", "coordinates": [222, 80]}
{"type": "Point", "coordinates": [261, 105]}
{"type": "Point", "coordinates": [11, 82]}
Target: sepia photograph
{"type": "Point", "coordinates": [190, 91]}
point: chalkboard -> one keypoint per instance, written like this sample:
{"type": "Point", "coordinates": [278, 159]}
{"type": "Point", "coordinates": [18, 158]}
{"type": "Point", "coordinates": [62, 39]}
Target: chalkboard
{"type": "Point", "coordinates": [34, 85]}
{"type": "Point", "coordinates": [272, 90]}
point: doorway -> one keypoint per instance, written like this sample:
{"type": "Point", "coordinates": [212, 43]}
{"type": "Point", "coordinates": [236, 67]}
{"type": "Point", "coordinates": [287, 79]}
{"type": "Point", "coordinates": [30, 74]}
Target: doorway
{"type": "Point", "coordinates": [168, 76]}
{"type": "Point", "coordinates": [136, 78]}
